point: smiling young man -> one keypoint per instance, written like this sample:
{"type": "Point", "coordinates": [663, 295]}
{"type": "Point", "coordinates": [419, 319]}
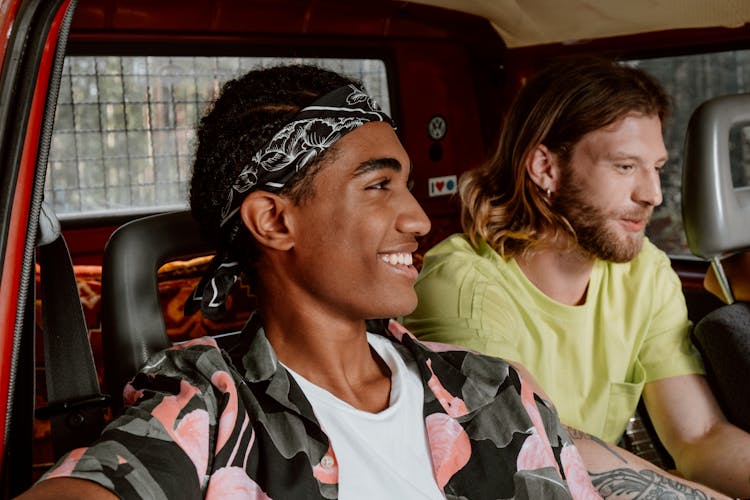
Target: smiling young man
{"type": "Point", "coordinates": [302, 183]}
{"type": "Point", "coordinates": [554, 271]}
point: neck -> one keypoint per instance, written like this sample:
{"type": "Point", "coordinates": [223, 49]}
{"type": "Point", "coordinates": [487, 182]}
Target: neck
{"type": "Point", "coordinates": [561, 273]}
{"type": "Point", "coordinates": [331, 353]}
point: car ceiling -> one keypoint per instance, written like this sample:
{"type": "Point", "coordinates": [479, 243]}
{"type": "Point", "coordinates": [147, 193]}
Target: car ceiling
{"type": "Point", "coordinates": [534, 22]}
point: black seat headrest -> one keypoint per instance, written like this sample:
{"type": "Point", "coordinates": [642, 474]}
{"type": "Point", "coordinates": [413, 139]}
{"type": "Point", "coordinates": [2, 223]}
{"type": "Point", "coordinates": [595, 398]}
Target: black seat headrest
{"type": "Point", "coordinates": [133, 325]}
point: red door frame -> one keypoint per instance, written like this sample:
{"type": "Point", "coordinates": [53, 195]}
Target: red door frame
{"type": "Point", "coordinates": [13, 253]}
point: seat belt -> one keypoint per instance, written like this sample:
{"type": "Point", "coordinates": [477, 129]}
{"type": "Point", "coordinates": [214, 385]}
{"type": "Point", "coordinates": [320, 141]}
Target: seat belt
{"type": "Point", "coordinates": [75, 404]}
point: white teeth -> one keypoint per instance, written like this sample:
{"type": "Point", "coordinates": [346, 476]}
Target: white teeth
{"type": "Point", "coordinates": [395, 259]}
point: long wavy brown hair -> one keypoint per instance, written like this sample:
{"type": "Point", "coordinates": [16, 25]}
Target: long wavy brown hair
{"type": "Point", "coordinates": [557, 107]}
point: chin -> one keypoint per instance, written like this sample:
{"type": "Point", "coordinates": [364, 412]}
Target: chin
{"type": "Point", "coordinates": [625, 253]}
{"type": "Point", "coordinates": [403, 308]}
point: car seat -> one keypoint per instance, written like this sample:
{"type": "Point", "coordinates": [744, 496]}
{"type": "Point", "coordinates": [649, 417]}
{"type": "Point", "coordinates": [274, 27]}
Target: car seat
{"type": "Point", "coordinates": [716, 216]}
{"type": "Point", "coordinates": [133, 326]}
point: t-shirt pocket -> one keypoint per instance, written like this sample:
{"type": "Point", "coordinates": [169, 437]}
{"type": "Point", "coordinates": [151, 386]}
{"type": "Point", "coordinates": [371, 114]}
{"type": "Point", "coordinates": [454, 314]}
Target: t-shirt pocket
{"type": "Point", "coordinates": [623, 400]}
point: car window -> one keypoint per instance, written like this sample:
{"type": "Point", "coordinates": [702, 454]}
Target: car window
{"type": "Point", "coordinates": [124, 126]}
{"type": "Point", "coordinates": [691, 80]}
{"type": "Point", "coordinates": [739, 155]}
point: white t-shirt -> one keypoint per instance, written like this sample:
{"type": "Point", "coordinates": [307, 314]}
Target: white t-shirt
{"type": "Point", "coordinates": [381, 455]}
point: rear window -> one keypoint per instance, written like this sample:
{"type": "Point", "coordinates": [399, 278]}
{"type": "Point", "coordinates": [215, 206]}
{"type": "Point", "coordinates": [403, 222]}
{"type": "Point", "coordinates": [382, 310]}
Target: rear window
{"type": "Point", "coordinates": [123, 138]}
{"type": "Point", "coordinates": [691, 80]}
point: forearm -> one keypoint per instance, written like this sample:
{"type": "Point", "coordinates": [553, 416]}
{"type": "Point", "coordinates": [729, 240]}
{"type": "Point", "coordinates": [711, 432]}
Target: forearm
{"type": "Point", "coordinates": [721, 459]}
{"type": "Point", "coordinates": [705, 447]}
{"type": "Point", "coordinates": [617, 473]}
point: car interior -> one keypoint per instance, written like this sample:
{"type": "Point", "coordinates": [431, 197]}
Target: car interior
{"type": "Point", "coordinates": [716, 211]}
{"type": "Point", "coordinates": [108, 93]}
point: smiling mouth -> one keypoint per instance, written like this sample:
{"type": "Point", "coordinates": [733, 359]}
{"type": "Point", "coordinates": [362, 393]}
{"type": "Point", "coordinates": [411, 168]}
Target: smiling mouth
{"type": "Point", "coordinates": [634, 225]}
{"type": "Point", "coordinates": [397, 259]}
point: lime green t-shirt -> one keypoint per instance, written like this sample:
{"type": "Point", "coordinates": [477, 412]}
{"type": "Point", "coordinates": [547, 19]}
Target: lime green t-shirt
{"type": "Point", "coordinates": [592, 360]}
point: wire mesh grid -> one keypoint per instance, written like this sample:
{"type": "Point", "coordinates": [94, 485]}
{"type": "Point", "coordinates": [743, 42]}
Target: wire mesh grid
{"type": "Point", "coordinates": [124, 128]}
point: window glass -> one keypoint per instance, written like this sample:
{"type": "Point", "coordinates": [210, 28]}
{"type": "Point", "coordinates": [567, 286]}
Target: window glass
{"type": "Point", "coordinates": [739, 154]}
{"type": "Point", "coordinates": [124, 130]}
{"type": "Point", "coordinates": [691, 80]}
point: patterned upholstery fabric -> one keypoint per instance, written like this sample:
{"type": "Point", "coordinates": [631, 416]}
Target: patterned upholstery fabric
{"type": "Point", "coordinates": [176, 281]}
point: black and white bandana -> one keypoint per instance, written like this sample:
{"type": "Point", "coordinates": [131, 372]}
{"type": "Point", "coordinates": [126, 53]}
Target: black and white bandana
{"type": "Point", "coordinates": [295, 146]}
{"type": "Point", "coordinates": [299, 142]}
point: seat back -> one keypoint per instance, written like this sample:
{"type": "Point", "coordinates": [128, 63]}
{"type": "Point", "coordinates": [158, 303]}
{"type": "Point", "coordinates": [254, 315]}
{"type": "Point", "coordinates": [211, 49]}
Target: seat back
{"type": "Point", "coordinates": [723, 337]}
{"type": "Point", "coordinates": [133, 326]}
{"type": "Point", "coordinates": [716, 215]}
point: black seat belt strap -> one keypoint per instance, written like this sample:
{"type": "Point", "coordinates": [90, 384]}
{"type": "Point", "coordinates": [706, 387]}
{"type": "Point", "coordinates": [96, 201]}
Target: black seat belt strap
{"type": "Point", "coordinates": [75, 402]}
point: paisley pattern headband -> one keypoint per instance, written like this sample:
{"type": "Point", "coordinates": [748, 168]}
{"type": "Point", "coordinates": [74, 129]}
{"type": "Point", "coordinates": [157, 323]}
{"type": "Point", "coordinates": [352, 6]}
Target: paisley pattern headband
{"type": "Point", "coordinates": [300, 141]}
{"type": "Point", "coordinates": [294, 147]}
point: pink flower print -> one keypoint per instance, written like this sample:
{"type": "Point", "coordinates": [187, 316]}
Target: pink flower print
{"type": "Point", "coordinates": [539, 433]}
{"type": "Point", "coordinates": [66, 467]}
{"type": "Point", "coordinates": [398, 330]}
{"type": "Point", "coordinates": [191, 433]}
{"type": "Point", "coordinates": [449, 446]}
{"type": "Point", "coordinates": [535, 454]}
{"type": "Point", "coordinates": [327, 471]}
{"type": "Point", "coordinates": [233, 483]}
{"type": "Point", "coordinates": [223, 381]}
{"type": "Point", "coordinates": [453, 405]}
{"type": "Point", "coordinates": [576, 474]}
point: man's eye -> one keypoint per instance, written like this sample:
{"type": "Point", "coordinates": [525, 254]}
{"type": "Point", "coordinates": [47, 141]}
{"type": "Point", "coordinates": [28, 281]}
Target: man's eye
{"type": "Point", "coordinates": [380, 185]}
{"type": "Point", "coordinates": [625, 167]}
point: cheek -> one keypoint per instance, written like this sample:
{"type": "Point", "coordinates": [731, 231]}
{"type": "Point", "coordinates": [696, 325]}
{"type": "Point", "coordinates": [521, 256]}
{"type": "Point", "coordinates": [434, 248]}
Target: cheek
{"type": "Point", "coordinates": [321, 226]}
{"type": "Point", "coordinates": [605, 192]}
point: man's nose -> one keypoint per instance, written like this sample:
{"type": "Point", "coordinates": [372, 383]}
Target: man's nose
{"type": "Point", "coordinates": [648, 190]}
{"type": "Point", "coordinates": [413, 219]}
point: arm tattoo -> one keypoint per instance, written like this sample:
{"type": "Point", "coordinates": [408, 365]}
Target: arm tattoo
{"type": "Point", "coordinates": [578, 434]}
{"type": "Point", "coordinates": [643, 485]}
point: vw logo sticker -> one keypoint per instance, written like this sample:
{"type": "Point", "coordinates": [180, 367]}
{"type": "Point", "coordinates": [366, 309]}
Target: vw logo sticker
{"type": "Point", "coordinates": [437, 127]}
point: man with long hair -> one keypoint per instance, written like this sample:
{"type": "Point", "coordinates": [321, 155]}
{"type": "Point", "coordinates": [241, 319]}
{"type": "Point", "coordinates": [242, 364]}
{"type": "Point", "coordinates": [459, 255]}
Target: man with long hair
{"type": "Point", "coordinates": [554, 270]}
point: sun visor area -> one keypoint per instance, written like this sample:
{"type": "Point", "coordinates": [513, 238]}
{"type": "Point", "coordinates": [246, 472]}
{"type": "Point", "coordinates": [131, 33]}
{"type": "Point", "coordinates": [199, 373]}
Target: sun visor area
{"type": "Point", "coordinates": [534, 22]}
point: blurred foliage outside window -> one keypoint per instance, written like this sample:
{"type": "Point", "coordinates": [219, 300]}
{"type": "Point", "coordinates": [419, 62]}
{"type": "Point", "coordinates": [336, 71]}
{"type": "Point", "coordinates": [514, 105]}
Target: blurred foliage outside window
{"type": "Point", "coordinates": [124, 131]}
{"type": "Point", "coordinates": [691, 80]}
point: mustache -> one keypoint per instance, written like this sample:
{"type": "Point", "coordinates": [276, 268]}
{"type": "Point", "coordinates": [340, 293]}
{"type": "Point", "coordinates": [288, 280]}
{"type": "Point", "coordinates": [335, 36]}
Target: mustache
{"type": "Point", "coordinates": [644, 214]}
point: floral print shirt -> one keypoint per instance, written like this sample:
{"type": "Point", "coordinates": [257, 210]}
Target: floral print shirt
{"type": "Point", "coordinates": [200, 428]}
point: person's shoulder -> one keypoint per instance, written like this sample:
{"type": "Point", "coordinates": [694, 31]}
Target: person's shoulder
{"type": "Point", "coordinates": [466, 357]}
{"type": "Point", "coordinates": [455, 243]}
{"type": "Point", "coordinates": [481, 368]}
{"type": "Point", "coordinates": [193, 347]}
{"type": "Point", "coordinates": [457, 255]}
{"type": "Point", "coordinates": [195, 359]}
{"type": "Point", "coordinates": [197, 367]}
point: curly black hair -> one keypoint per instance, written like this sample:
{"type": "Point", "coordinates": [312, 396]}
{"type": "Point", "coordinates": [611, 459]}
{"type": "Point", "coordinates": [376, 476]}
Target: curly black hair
{"type": "Point", "coordinates": [248, 112]}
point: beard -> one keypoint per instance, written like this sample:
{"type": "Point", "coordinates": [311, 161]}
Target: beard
{"type": "Point", "coordinates": [591, 224]}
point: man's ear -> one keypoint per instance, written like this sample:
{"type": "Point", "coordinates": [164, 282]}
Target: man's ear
{"type": "Point", "coordinates": [544, 168]}
{"type": "Point", "coordinates": [265, 216]}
